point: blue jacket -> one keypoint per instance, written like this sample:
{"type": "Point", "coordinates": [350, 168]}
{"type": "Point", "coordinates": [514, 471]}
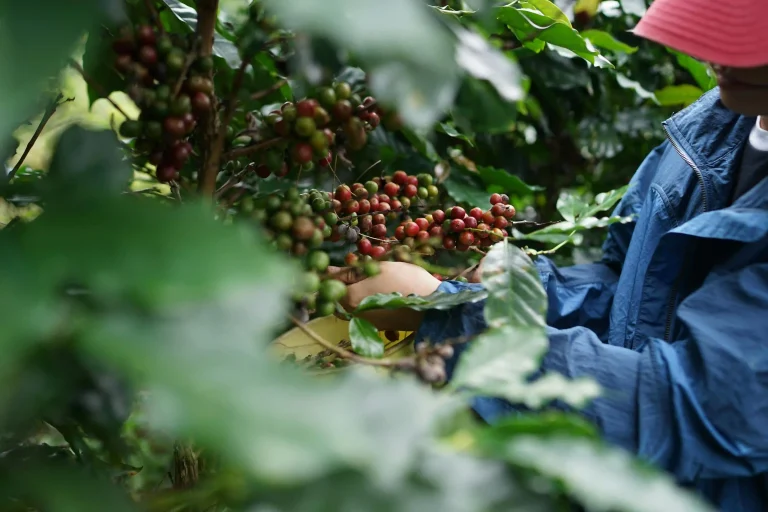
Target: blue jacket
{"type": "Point", "coordinates": [673, 322]}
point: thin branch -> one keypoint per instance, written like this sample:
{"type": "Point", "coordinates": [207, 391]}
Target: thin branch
{"type": "Point", "coordinates": [191, 56]}
{"type": "Point", "coordinates": [253, 148]}
{"type": "Point", "coordinates": [153, 16]}
{"type": "Point", "coordinates": [346, 354]}
{"type": "Point", "coordinates": [269, 90]}
{"type": "Point", "coordinates": [211, 131]}
{"type": "Point", "coordinates": [96, 86]}
{"type": "Point", "coordinates": [49, 111]}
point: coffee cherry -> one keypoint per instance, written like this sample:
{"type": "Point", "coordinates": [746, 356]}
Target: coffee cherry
{"type": "Point", "coordinates": [470, 222]}
{"type": "Point", "coordinates": [457, 225]}
{"type": "Point", "coordinates": [350, 259]}
{"type": "Point", "coordinates": [488, 217]}
{"type": "Point", "coordinates": [302, 153]}
{"type": "Point", "coordinates": [364, 246]}
{"type": "Point", "coordinates": [379, 231]}
{"type": "Point", "coordinates": [351, 206]}
{"type": "Point", "coordinates": [457, 212]}
{"type": "Point", "coordinates": [483, 230]}
{"type": "Point", "coordinates": [497, 235]}
{"type": "Point", "coordinates": [166, 173]}
{"type": "Point", "coordinates": [379, 218]}
{"type": "Point", "coordinates": [377, 251]}
{"type": "Point", "coordinates": [148, 56]}
{"type": "Point", "coordinates": [410, 191]}
{"type": "Point", "coordinates": [400, 177]}
{"type": "Point", "coordinates": [400, 232]}
{"type": "Point", "coordinates": [411, 229]}
{"type": "Point", "coordinates": [435, 231]}
{"type": "Point", "coordinates": [495, 199]}
{"type": "Point", "coordinates": [306, 108]}
{"type": "Point", "coordinates": [477, 213]}
{"type": "Point", "coordinates": [263, 171]}
{"type": "Point", "coordinates": [466, 238]}
{"type": "Point", "coordinates": [318, 260]}
{"type": "Point", "coordinates": [281, 221]}
{"type": "Point", "coordinates": [365, 206]}
{"type": "Point", "coordinates": [422, 223]}
{"type": "Point", "coordinates": [145, 34]}
{"type": "Point", "coordinates": [371, 268]}
{"type": "Point", "coordinates": [332, 290]}
{"type": "Point", "coordinates": [305, 126]}
{"type": "Point", "coordinates": [174, 127]}
{"type": "Point", "coordinates": [326, 161]}
{"type": "Point", "coordinates": [509, 211]}
{"type": "Point", "coordinates": [449, 242]}
{"type": "Point", "coordinates": [201, 102]}
{"type": "Point", "coordinates": [180, 153]}
{"type": "Point", "coordinates": [438, 216]}
{"type": "Point", "coordinates": [500, 223]}
{"type": "Point", "coordinates": [282, 127]}
{"type": "Point", "coordinates": [130, 128]}
{"type": "Point", "coordinates": [373, 120]}
{"type": "Point", "coordinates": [181, 105]}
{"type": "Point", "coordinates": [342, 110]}
{"type": "Point", "coordinates": [175, 60]}
{"type": "Point", "coordinates": [422, 192]}
{"type": "Point", "coordinates": [433, 191]}
{"type": "Point", "coordinates": [303, 228]}
{"type": "Point", "coordinates": [343, 193]}
{"type": "Point", "coordinates": [343, 90]}
{"type": "Point", "coordinates": [497, 210]}
{"type": "Point", "coordinates": [322, 118]}
{"type": "Point", "coordinates": [317, 139]}
{"type": "Point", "coordinates": [391, 189]}
{"type": "Point", "coordinates": [123, 63]}
{"type": "Point", "coordinates": [505, 198]}
{"type": "Point", "coordinates": [326, 96]}
{"type": "Point", "coordinates": [371, 187]}
{"type": "Point", "coordinates": [189, 122]}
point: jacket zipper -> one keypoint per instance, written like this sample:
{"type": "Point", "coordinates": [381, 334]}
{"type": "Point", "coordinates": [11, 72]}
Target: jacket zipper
{"type": "Point", "coordinates": [704, 208]}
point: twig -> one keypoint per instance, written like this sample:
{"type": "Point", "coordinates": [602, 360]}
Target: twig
{"type": "Point", "coordinates": [269, 90]}
{"type": "Point", "coordinates": [49, 111]}
{"type": "Point", "coordinates": [96, 86]}
{"type": "Point", "coordinates": [253, 148]}
{"type": "Point", "coordinates": [346, 354]}
{"type": "Point", "coordinates": [233, 181]}
{"type": "Point", "coordinates": [153, 16]}
{"type": "Point", "coordinates": [191, 56]}
{"type": "Point", "coordinates": [212, 136]}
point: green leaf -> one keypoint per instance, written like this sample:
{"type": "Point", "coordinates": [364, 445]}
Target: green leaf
{"type": "Point", "coordinates": [509, 182]}
{"type": "Point", "coordinates": [365, 338]}
{"type": "Point", "coordinates": [422, 145]}
{"type": "Point", "coordinates": [221, 46]}
{"type": "Point", "coordinates": [529, 24]}
{"type": "Point", "coordinates": [515, 294]}
{"type": "Point", "coordinates": [437, 300]}
{"type": "Point", "coordinates": [420, 84]}
{"type": "Point", "coordinates": [683, 94]}
{"type": "Point", "coordinates": [546, 424]}
{"type": "Point", "coordinates": [479, 108]}
{"type": "Point", "coordinates": [484, 62]}
{"type": "Point", "coordinates": [548, 9]}
{"type": "Point", "coordinates": [700, 71]}
{"type": "Point", "coordinates": [602, 478]}
{"type": "Point", "coordinates": [562, 231]}
{"type": "Point", "coordinates": [570, 206]}
{"type": "Point", "coordinates": [450, 130]}
{"type": "Point", "coordinates": [98, 64]}
{"type": "Point", "coordinates": [464, 188]}
{"type": "Point", "coordinates": [606, 41]}
{"type": "Point", "coordinates": [641, 91]}
{"type": "Point", "coordinates": [60, 25]}
{"type": "Point", "coordinates": [604, 201]}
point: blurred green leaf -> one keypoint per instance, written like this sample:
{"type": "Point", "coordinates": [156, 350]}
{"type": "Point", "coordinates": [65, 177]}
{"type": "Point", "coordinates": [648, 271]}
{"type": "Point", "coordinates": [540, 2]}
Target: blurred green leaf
{"type": "Point", "coordinates": [479, 108]}
{"type": "Point", "coordinates": [606, 41]}
{"type": "Point", "coordinates": [62, 25]}
{"type": "Point", "coordinates": [484, 62]}
{"type": "Point", "coordinates": [98, 64]}
{"type": "Point", "coordinates": [627, 83]}
{"type": "Point", "coordinates": [602, 478]}
{"type": "Point", "coordinates": [451, 131]}
{"type": "Point", "coordinates": [365, 338]}
{"type": "Point", "coordinates": [634, 7]}
{"type": "Point", "coordinates": [510, 183]}
{"type": "Point", "coordinates": [466, 188]}
{"type": "Point", "coordinates": [562, 231]}
{"type": "Point", "coordinates": [700, 71]}
{"type": "Point", "coordinates": [684, 94]}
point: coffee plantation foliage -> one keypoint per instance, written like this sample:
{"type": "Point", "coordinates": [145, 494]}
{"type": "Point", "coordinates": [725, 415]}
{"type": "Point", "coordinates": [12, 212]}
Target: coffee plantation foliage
{"type": "Point", "coordinates": [147, 267]}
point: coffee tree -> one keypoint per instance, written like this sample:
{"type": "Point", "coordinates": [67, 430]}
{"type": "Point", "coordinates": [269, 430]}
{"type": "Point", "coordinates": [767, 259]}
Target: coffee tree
{"type": "Point", "coordinates": [146, 270]}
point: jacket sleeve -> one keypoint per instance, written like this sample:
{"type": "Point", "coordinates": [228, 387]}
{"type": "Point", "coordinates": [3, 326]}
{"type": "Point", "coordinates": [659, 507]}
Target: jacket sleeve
{"type": "Point", "coordinates": [697, 407]}
{"type": "Point", "coordinates": [582, 295]}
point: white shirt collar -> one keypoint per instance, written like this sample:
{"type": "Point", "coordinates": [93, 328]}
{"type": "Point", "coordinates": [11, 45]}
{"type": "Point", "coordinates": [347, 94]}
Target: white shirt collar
{"type": "Point", "coordinates": [758, 138]}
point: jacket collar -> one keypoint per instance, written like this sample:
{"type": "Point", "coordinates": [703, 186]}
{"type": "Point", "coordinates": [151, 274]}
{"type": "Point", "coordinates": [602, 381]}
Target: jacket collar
{"type": "Point", "coordinates": [712, 136]}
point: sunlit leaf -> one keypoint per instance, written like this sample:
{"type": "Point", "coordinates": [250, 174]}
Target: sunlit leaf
{"type": "Point", "coordinates": [365, 338]}
{"type": "Point", "coordinates": [437, 300]}
{"type": "Point", "coordinates": [606, 41]}
{"type": "Point", "coordinates": [683, 94]}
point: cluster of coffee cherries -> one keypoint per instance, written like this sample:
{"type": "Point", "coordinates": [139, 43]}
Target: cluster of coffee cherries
{"type": "Point", "coordinates": [334, 116]}
{"type": "Point", "coordinates": [170, 96]}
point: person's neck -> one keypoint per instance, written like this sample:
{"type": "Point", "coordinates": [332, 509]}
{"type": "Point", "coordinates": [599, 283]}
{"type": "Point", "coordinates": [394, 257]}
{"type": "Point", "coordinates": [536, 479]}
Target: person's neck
{"type": "Point", "coordinates": [764, 122]}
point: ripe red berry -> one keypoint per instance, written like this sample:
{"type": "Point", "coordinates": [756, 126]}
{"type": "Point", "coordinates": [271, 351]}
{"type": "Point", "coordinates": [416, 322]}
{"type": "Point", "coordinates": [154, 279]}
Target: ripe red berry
{"type": "Point", "coordinates": [326, 160]}
{"type": "Point", "coordinates": [435, 231]}
{"type": "Point", "coordinates": [457, 212]}
{"type": "Point", "coordinates": [400, 232]}
{"type": "Point", "coordinates": [374, 202]}
{"type": "Point", "coordinates": [411, 228]}
{"type": "Point", "coordinates": [457, 225]}
{"type": "Point", "coordinates": [486, 242]}
{"type": "Point", "coordinates": [383, 198]}
{"type": "Point", "coordinates": [145, 34]}
{"type": "Point", "coordinates": [330, 135]}
{"type": "Point", "coordinates": [379, 219]}
{"type": "Point", "coordinates": [343, 193]}
{"type": "Point", "coordinates": [396, 205]}
{"type": "Point", "coordinates": [342, 110]}
{"type": "Point", "coordinates": [488, 217]}
{"type": "Point", "coordinates": [166, 173]}
{"type": "Point", "coordinates": [364, 246]}
{"type": "Point", "coordinates": [500, 223]}
{"type": "Point", "coordinates": [379, 231]}
{"type": "Point", "coordinates": [377, 251]}
{"type": "Point", "coordinates": [384, 207]}
{"type": "Point", "coordinates": [422, 223]}
{"type": "Point", "coordinates": [201, 102]}
{"type": "Point", "coordinates": [410, 190]}
{"type": "Point", "coordinates": [148, 55]}
{"type": "Point", "coordinates": [364, 223]}
{"type": "Point", "coordinates": [412, 180]}
{"type": "Point", "coordinates": [497, 234]}
{"type": "Point", "coordinates": [365, 206]}
{"type": "Point", "coordinates": [495, 198]}
{"type": "Point", "coordinates": [350, 259]}
{"type": "Point", "coordinates": [282, 127]}
{"type": "Point", "coordinates": [483, 230]}
{"type": "Point", "coordinates": [123, 63]}
{"type": "Point", "coordinates": [462, 247]}
{"type": "Point", "coordinates": [400, 177]}
{"type": "Point", "coordinates": [509, 211]}
{"type": "Point", "coordinates": [189, 122]}
{"type": "Point", "coordinates": [302, 153]}
{"type": "Point", "coordinates": [438, 216]}
{"type": "Point", "coordinates": [336, 205]}
{"type": "Point", "coordinates": [467, 238]}
{"type": "Point", "coordinates": [470, 222]}
{"type": "Point", "coordinates": [497, 210]}
{"type": "Point", "coordinates": [174, 126]}
{"type": "Point", "coordinates": [306, 108]}
{"type": "Point", "coordinates": [351, 207]}
{"type": "Point", "coordinates": [391, 189]}
{"type": "Point", "coordinates": [422, 236]}
{"type": "Point", "coordinates": [374, 120]}
{"type": "Point", "coordinates": [282, 171]}
{"type": "Point", "coordinates": [477, 213]}
{"type": "Point", "coordinates": [180, 154]}
{"type": "Point", "coordinates": [449, 242]}
{"type": "Point", "coordinates": [263, 171]}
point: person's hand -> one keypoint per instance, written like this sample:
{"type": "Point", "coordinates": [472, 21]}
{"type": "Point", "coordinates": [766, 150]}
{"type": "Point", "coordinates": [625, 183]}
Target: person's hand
{"type": "Point", "coordinates": [404, 278]}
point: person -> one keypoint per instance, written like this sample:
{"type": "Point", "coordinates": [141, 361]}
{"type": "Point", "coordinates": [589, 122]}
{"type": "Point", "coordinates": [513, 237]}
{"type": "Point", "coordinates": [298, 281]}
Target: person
{"type": "Point", "coordinates": [673, 321]}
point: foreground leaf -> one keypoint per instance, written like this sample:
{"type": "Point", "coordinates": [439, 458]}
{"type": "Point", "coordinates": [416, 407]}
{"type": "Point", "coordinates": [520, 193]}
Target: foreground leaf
{"type": "Point", "coordinates": [602, 478]}
{"type": "Point", "coordinates": [437, 300]}
{"type": "Point", "coordinates": [508, 183]}
{"type": "Point", "coordinates": [673, 95]}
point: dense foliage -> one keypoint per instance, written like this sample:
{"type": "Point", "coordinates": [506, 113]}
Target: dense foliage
{"type": "Point", "coordinates": [145, 271]}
